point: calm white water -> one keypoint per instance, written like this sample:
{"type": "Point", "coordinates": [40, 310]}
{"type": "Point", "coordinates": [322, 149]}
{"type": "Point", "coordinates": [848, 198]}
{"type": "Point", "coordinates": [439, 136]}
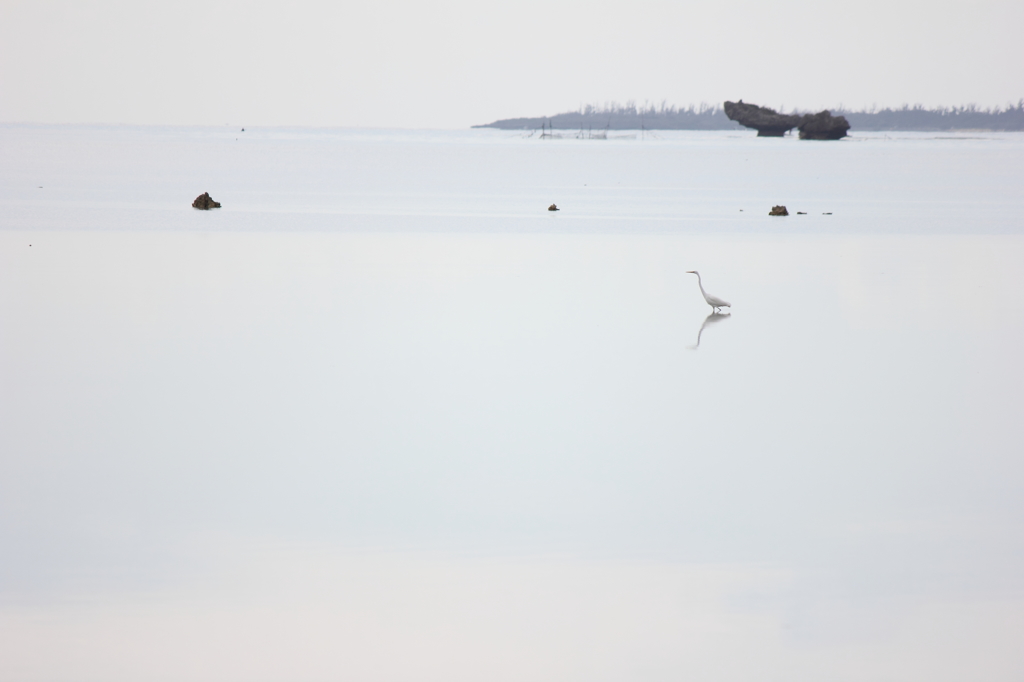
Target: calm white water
{"type": "Point", "coordinates": [385, 417]}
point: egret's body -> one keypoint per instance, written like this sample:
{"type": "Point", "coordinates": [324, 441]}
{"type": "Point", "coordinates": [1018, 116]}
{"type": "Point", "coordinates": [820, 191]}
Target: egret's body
{"type": "Point", "coordinates": [716, 303]}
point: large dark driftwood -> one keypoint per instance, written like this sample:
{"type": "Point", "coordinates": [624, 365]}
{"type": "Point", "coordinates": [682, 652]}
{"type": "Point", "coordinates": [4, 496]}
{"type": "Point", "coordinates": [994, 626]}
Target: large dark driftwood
{"type": "Point", "coordinates": [768, 122]}
{"type": "Point", "coordinates": [823, 126]}
{"type": "Point", "coordinates": [205, 202]}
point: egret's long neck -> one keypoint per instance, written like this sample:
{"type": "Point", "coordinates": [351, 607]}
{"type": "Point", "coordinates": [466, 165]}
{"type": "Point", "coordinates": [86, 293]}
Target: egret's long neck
{"type": "Point", "coordinates": [701, 285]}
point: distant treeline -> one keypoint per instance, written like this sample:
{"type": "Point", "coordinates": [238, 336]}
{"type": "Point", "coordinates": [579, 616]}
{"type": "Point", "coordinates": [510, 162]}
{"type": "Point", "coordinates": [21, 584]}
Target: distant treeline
{"type": "Point", "coordinates": [942, 118]}
{"type": "Point", "coordinates": [629, 116]}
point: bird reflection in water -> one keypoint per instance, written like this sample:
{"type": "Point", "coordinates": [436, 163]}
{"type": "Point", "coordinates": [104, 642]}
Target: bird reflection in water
{"type": "Point", "coordinates": [709, 320]}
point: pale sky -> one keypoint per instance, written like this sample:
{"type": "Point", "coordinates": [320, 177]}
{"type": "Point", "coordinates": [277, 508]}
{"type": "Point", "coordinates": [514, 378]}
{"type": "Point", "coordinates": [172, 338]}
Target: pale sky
{"type": "Point", "coordinates": [453, 63]}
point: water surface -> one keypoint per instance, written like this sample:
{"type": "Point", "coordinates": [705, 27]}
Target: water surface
{"type": "Point", "coordinates": [384, 417]}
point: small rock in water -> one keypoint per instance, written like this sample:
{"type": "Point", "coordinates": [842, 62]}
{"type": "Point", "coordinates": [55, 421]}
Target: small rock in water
{"type": "Point", "coordinates": [823, 126]}
{"type": "Point", "coordinates": [205, 202]}
{"type": "Point", "coordinates": [801, 212]}
{"type": "Point", "coordinates": [552, 207]}
{"type": "Point", "coordinates": [826, 214]}
{"type": "Point", "coordinates": [778, 210]}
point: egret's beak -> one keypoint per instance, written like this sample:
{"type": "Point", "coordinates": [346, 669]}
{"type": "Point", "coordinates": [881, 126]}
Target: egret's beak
{"type": "Point", "coordinates": [691, 272]}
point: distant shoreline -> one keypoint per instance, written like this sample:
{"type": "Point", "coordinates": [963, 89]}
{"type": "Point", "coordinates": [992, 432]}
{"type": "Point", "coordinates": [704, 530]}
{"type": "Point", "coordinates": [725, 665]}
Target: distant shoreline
{"type": "Point", "coordinates": [906, 118]}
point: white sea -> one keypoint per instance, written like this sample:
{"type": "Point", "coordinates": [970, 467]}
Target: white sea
{"type": "Point", "coordinates": [384, 417]}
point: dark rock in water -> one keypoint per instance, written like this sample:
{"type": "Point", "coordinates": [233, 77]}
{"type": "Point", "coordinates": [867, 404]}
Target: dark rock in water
{"type": "Point", "coordinates": [768, 122]}
{"type": "Point", "coordinates": [823, 126]}
{"type": "Point", "coordinates": [205, 202]}
{"type": "Point", "coordinates": [552, 207]}
{"type": "Point", "coordinates": [801, 212]}
{"type": "Point", "coordinates": [778, 210]}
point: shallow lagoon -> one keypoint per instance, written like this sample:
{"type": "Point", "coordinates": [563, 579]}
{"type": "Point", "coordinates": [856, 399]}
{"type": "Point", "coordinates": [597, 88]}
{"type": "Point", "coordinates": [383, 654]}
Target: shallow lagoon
{"type": "Point", "coordinates": [383, 416]}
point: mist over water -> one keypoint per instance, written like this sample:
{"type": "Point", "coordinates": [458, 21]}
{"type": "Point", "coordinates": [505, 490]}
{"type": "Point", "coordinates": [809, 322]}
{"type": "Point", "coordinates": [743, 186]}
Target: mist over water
{"type": "Point", "coordinates": [382, 416]}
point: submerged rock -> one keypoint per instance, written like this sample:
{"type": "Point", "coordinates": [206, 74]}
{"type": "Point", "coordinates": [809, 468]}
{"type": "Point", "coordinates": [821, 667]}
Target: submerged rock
{"type": "Point", "coordinates": [823, 126]}
{"type": "Point", "coordinates": [205, 202]}
{"type": "Point", "coordinates": [768, 122]}
{"type": "Point", "coordinates": [778, 210]}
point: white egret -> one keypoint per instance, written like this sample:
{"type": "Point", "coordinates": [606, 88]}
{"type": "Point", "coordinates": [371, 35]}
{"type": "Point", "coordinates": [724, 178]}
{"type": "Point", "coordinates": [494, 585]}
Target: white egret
{"type": "Point", "coordinates": [716, 303]}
